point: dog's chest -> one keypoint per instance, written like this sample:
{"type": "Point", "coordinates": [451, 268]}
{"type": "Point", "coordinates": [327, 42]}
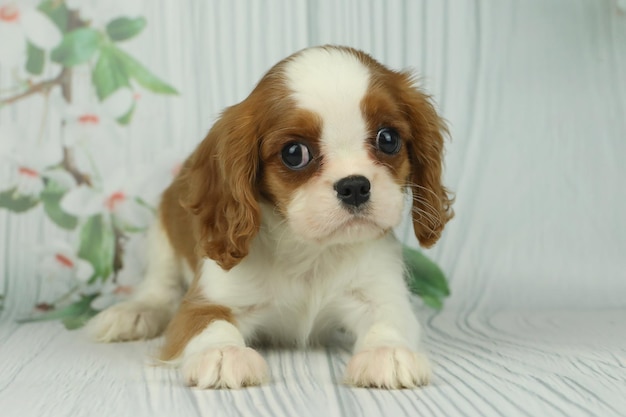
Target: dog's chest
{"type": "Point", "coordinates": [300, 308]}
{"type": "Point", "coordinates": [292, 304]}
{"type": "Point", "coordinates": [297, 316]}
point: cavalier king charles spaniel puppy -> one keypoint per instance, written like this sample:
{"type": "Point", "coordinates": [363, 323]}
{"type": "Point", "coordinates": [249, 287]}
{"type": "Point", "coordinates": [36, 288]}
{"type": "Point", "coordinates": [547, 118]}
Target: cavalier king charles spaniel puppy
{"type": "Point", "coordinates": [279, 227]}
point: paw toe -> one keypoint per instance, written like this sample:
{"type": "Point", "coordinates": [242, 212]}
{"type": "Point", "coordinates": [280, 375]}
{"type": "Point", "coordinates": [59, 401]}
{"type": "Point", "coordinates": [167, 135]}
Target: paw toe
{"type": "Point", "coordinates": [390, 368]}
{"type": "Point", "coordinates": [127, 321]}
{"type": "Point", "coordinates": [229, 367]}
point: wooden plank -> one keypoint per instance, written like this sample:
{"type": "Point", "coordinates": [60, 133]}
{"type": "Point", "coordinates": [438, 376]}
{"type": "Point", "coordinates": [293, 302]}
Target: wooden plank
{"type": "Point", "coordinates": [522, 363]}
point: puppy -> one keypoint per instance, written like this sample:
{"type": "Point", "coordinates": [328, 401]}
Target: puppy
{"type": "Point", "coordinates": [280, 224]}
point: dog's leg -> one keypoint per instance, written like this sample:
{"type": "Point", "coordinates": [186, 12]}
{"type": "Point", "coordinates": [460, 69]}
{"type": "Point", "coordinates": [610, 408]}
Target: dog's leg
{"type": "Point", "coordinates": [387, 333]}
{"type": "Point", "coordinates": [203, 339]}
{"type": "Point", "coordinates": [154, 302]}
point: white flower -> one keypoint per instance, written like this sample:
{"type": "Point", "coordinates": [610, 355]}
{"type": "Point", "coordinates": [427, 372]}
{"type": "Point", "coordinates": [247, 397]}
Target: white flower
{"type": "Point", "coordinates": [157, 175]}
{"type": "Point", "coordinates": [101, 12]}
{"type": "Point", "coordinates": [26, 166]}
{"type": "Point", "coordinates": [111, 293]}
{"type": "Point", "coordinates": [127, 278]}
{"type": "Point", "coordinates": [21, 22]}
{"type": "Point", "coordinates": [119, 103]}
{"type": "Point", "coordinates": [29, 181]}
{"type": "Point", "coordinates": [114, 197]}
{"type": "Point", "coordinates": [86, 122]}
{"type": "Point", "coordinates": [119, 193]}
{"type": "Point", "coordinates": [60, 263]}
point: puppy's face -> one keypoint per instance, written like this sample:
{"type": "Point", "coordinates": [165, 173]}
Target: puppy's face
{"type": "Point", "coordinates": [336, 164]}
{"type": "Point", "coordinates": [334, 140]}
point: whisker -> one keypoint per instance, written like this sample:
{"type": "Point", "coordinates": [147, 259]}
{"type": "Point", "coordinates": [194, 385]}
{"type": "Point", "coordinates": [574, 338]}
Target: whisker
{"type": "Point", "coordinates": [432, 211]}
{"type": "Point", "coordinates": [423, 201]}
{"type": "Point", "coordinates": [436, 220]}
{"type": "Point", "coordinates": [421, 187]}
{"type": "Point", "coordinates": [425, 226]}
{"type": "Point", "coordinates": [433, 219]}
{"type": "Point", "coordinates": [429, 218]}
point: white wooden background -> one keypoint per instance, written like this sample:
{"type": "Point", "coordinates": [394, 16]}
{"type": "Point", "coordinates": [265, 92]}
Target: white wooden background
{"type": "Point", "coordinates": [535, 93]}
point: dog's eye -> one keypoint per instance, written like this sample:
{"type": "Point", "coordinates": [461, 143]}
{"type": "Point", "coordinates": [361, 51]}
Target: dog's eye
{"type": "Point", "coordinates": [388, 141]}
{"type": "Point", "coordinates": [296, 155]}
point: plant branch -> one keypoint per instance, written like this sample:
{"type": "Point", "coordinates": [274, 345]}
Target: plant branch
{"type": "Point", "coordinates": [63, 79]}
{"type": "Point", "coordinates": [70, 166]}
{"type": "Point", "coordinates": [42, 125]}
{"type": "Point", "coordinates": [41, 87]}
{"type": "Point", "coordinates": [118, 256]}
{"type": "Point", "coordinates": [65, 296]}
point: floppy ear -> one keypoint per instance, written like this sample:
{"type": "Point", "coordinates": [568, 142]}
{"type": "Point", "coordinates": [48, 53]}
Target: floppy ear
{"type": "Point", "coordinates": [220, 177]}
{"type": "Point", "coordinates": [431, 200]}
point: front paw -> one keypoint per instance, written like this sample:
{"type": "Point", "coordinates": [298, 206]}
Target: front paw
{"type": "Point", "coordinates": [130, 320]}
{"type": "Point", "coordinates": [227, 367]}
{"type": "Point", "coordinates": [388, 367]}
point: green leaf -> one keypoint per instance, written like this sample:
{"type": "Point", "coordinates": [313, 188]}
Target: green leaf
{"type": "Point", "coordinates": [77, 47]}
{"type": "Point", "coordinates": [97, 246]}
{"type": "Point", "coordinates": [51, 198]}
{"type": "Point", "coordinates": [124, 28]}
{"type": "Point", "coordinates": [141, 74]}
{"type": "Point", "coordinates": [108, 75]}
{"type": "Point", "coordinates": [35, 59]}
{"type": "Point", "coordinates": [432, 302]}
{"type": "Point", "coordinates": [75, 310]}
{"type": "Point", "coordinates": [15, 202]}
{"type": "Point", "coordinates": [78, 321]}
{"type": "Point", "coordinates": [425, 278]}
{"type": "Point", "coordinates": [125, 119]}
{"type": "Point", "coordinates": [57, 12]}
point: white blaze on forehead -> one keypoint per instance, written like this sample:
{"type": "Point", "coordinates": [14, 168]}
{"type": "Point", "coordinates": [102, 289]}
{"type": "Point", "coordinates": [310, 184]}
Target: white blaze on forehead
{"type": "Point", "coordinates": [331, 83]}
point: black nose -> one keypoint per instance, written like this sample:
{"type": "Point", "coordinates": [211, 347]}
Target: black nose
{"type": "Point", "coordinates": [353, 190]}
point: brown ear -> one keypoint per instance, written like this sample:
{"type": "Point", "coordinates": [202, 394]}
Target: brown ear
{"type": "Point", "coordinates": [220, 177]}
{"type": "Point", "coordinates": [431, 200]}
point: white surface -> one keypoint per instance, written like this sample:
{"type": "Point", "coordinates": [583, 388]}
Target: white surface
{"type": "Point", "coordinates": [535, 92]}
{"type": "Point", "coordinates": [511, 364]}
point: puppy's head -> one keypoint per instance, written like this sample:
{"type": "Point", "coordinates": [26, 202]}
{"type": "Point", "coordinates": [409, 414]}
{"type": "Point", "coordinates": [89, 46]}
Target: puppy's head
{"type": "Point", "coordinates": [332, 139]}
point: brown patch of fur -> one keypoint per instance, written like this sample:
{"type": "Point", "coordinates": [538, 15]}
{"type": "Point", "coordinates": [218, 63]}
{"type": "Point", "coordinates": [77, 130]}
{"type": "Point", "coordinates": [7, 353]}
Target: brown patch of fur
{"type": "Point", "coordinates": [381, 110]}
{"type": "Point", "coordinates": [432, 202]}
{"type": "Point", "coordinates": [193, 316]}
{"type": "Point", "coordinates": [218, 187]}
{"type": "Point", "coordinates": [279, 182]}
{"type": "Point", "coordinates": [394, 101]}
{"type": "Point", "coordinates": [178, 225]}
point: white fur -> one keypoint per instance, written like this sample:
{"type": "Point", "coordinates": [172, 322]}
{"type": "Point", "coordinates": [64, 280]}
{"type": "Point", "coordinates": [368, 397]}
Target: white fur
{"type": "Point", "coordinates": [332, 83]}
{"type": "Point", "coordinates": [387, 367]}
{"type": "Point", "coordinates": [218, 358]}
{"type": "Point", "coordinates": [154, 302]}
{"type": "Point", "coordinates": [226, 367]}
{"type": "Point", "coordinates": [318, 270]}
{"type": "Point", "coordinates": [295, 293]}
